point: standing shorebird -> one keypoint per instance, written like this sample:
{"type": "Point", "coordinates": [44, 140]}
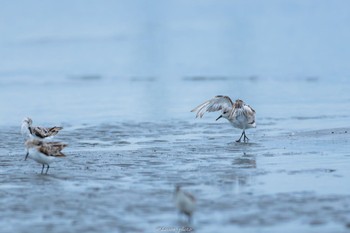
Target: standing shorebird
{"type": "Point", "coordinates": [185, 202]}
{"type": "Point", "coordinates": [37, 132]}
{"type": "Point", "coordinates": [44, 152]}
{"type": "Point", "coordinates": [239, 114]}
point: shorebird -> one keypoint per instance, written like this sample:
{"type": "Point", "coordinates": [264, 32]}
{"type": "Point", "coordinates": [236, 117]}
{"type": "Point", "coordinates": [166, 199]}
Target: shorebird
{"type": "Point", "coordinates": [37, 132]}
{"type": "Point", "coordinates": [43, 152]}
{"type": "Point", "coordinates": [185, 202]}
{"type": "Point", "coordinates": [239, 114]}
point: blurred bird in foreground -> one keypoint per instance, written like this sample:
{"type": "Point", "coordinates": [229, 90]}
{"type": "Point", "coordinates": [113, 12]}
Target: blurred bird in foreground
{"type": "Point", "coordinates": [185, 202]}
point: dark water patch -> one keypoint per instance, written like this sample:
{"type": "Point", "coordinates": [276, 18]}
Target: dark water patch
{"type": "Point", "coordinates": [320, 117]}
{"type": "Point", "coordinates": [244, 163]}
{"type": "Point", "coordinates": [292, 153]}
{"type": "Point", "coordinates": [205, 78]}
{"type": "Point", "coordinates": [86, 77]}
{"type": "Point", "coordinates": [312, 79]}
{"type": "Point", "coordinates": [155, 163]}
{"type": "Point", "coordinates": [308, 79]}
{"type": "Point", "coordinates": [153, 142]}
{"type": "Point", "coordinates": [123, 143]}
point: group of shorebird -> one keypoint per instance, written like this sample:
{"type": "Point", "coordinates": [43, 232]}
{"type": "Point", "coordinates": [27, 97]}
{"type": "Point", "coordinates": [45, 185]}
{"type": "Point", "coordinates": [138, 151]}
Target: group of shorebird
{"type": "Point", "coordinates": [239, 114]}
{"type": "Point", "coordinates": [38, 149]}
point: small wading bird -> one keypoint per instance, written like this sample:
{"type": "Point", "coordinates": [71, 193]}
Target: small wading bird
{"type": "Point", "coordinates": [37, 132]}
{"type": "Point", "coordinates": [185, 202]}
{"type": "Point", "coordinates": [239, 114]}
{"type": "Point", "coordinates": [44, 152]}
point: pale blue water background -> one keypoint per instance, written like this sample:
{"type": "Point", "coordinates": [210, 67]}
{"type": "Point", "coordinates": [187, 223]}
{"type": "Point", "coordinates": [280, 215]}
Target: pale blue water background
{"type": "Point", "coordinates": [82, 57]}
{"type": "Point", "coordinates": [122, 77]}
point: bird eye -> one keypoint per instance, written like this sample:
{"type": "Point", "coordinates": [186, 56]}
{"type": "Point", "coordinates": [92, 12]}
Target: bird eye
{"type": "Point", "coordinates": [225, 112]}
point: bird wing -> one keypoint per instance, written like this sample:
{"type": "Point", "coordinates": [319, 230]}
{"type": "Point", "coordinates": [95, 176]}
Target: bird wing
{"type": "Point", "coordinates": [56, 145]}
{"type": "Point", "coordinates": [52, 149]}
{"type": "Point", "coordinates": [217, 103]}
{"type": "Point", "coordinates": [249, 113]}
{"type": "Point", "coordinates": [40, 132]}
{"type": "Point", "coordinates": [54, 130]}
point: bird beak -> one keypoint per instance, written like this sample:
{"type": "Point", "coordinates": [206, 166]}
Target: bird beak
{"type": "Point", "coordinates": [218, 117]}
{"type": "Point", "coordinates": [26, 156]}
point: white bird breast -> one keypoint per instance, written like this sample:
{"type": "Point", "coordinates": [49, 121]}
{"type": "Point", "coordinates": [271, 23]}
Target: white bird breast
{"type": "Point", "coordinates": [184, 203]}
{"type": "Point", "coordinates": [40, 157]}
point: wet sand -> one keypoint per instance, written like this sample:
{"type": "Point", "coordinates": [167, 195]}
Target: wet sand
{"type": "Point", "coordinates": [120, 178]}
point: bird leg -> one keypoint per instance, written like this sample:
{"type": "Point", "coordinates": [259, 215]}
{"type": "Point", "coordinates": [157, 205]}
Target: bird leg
{"type": "Point", "coordinates": [189, 219]}
{"type": "Point", "coordinates": [245, 138]}
{"type": "Point", "coordinates": [48, 166]}
{"type": "Point", "coordinates": [42, 170]}
{"type": "Point", "coordinates": [239, 140]}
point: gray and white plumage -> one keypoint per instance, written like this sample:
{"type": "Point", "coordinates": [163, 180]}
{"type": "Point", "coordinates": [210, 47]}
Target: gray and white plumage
{"type": "Point", "coordinates": [185, 202]}
{"type": "Point", "coordinates": [27, 129]}
{"type": "Point", "coordinates": [44, 152]}
{"type": "Point", "coordinates": [238, 113]}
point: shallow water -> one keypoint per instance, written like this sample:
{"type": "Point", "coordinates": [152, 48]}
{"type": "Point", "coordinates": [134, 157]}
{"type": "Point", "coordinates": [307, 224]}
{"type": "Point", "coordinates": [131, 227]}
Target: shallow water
{"type": "Point", "coordinates": [122, 84]}
{"type": "Point", "coordinates": [120, 177]}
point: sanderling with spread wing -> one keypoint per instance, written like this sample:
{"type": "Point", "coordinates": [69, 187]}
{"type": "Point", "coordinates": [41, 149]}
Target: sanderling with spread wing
{"type": "Point", "coordinates": [239, 114]}
{"type": "Point", "coordinates": [185, 202]}
{"type": "Point", "coordinates": [43, 152]}
{"type": "Point", "coordinates": [38, 132]}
